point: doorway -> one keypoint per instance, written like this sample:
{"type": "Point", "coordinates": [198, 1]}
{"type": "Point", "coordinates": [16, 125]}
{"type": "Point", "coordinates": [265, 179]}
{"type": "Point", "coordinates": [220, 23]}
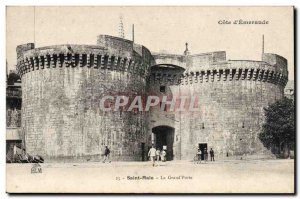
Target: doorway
{"type": "Point", "coordinates": [164, 136]}
{"type": "Point", "coordinates": [202, 146]}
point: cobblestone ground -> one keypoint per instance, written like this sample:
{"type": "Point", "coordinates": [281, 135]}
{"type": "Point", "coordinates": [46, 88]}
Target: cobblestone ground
{"type": "Point", "coordinates": [234, 176]}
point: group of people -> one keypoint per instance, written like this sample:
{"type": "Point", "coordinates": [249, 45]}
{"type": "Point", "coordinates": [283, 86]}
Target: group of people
{"type": "Point", "coordinates": [156, 155]}
{"type": "Point", "coordinates": [205, 155]}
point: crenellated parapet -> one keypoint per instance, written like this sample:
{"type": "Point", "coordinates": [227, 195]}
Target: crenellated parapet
{"type": "Point", "coordinates": [110, 53]}
{"type": "Point", "coordinates": [213, 66]}
{"type": "Point", "coordinates": [254, 73]}
{"type": "Point", "coordinates": [103, 61]}
{"type": "Point", "coordinates": [263, 74]}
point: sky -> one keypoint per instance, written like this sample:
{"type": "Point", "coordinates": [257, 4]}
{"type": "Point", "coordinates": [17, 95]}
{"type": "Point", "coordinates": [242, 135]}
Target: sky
{"type": "Point", "coordinates": [157, 28]}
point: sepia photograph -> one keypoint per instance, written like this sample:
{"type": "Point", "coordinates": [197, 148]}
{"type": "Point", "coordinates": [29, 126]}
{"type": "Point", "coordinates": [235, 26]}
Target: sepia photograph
{"type": "Point", "coordinates": [150, 100]}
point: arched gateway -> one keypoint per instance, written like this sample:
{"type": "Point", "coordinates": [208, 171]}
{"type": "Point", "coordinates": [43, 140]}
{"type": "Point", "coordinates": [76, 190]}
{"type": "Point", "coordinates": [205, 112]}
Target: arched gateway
{"type": "Point", "coordinates": [164, 139]}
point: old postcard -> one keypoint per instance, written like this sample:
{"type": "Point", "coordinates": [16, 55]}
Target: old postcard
{"type": "Point", "coordinates": [150, 99]}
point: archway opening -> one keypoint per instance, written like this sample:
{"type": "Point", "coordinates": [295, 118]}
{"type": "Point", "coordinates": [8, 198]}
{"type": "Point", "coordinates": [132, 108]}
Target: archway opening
{"type": "Point", "coordinates": [164, 139]}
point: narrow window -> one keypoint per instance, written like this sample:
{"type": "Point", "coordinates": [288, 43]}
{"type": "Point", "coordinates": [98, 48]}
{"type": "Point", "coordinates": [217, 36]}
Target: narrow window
{"type": "Point", "coordinates": [162, 89]}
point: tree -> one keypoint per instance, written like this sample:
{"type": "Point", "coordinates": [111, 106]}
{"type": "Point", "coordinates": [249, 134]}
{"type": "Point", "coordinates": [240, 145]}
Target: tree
{"type": "Point", "coordinates": [279, 129]}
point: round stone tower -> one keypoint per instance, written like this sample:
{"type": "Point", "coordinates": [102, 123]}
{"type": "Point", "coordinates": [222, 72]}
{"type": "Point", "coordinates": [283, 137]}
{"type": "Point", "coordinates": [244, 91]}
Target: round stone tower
{"type": "Point", "coordinates": [227, 97]}
{"type": "Point", "coordinates": [231, 96]}
{"type": "Point", "coordinates": [61, 90]}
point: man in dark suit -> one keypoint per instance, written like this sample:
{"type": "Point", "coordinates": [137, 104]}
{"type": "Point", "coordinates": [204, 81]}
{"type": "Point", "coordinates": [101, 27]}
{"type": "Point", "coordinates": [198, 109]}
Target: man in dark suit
{"type": "Point", "coordinates": [106, 154]}
{"type": "Point", "coordinates": [212, 154]}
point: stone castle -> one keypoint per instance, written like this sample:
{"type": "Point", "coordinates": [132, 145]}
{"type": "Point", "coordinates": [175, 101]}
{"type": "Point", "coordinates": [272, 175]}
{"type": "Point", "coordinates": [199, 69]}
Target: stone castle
{"type": "Point", "coordinates": [62, 85]}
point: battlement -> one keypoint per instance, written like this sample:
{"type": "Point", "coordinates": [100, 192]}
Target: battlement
{"type": "Point", "coordinates": [229, 71]}
{"type": "Point", "coordinates": [235, 71]}
{"type": "Point", "coordinates": [220, 75]}
{"type": "Point", "coordinates": [213, 66]}
{"type": "Point", "coordinates": [73, 60]}
{"type": "Point", "coordinates": [111, 53]}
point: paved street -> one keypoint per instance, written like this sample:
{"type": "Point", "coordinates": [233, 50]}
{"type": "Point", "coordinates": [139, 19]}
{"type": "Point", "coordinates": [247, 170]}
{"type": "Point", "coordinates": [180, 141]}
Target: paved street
{"type": "Point", "coordinates": [234, 176]}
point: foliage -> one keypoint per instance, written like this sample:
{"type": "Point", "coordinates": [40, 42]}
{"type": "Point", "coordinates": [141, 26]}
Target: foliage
{"type": "Point", "coordinates": [279, 127]}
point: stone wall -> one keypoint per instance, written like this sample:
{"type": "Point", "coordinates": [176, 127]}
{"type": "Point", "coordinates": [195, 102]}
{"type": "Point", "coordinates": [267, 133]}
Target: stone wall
{"type": "Point", "coordinates": [62, 87]}
{"type": "Point", "coordinates": [230, 97]}
{"type": "Point", "coordinates": [166, 76]}
{"type": "Point", "coordinates": [197, 61]}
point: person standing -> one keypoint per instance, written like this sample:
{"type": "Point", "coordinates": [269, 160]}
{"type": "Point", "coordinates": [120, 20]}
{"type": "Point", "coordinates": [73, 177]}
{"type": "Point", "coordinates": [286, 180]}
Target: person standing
{"type": "Point", "coordinates": [106, 154]}
{"type": "Point", "coordinates": [157, 154]}
{"type": "Point", "coordinates": [199, 154]}
{"type": "Point", "coordinates": [212, 154]}
{"type": "Point", "coordinates": [205, 155]}
{"type": "Point", "coordinates": [152, 154]}
{"type": "Point", "coordinates": [163, 155]}
{"type": "Point", "coordinates": [14, 153]}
